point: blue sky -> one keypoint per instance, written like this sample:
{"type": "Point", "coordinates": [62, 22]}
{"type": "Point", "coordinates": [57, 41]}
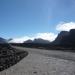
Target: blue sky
{"type": "Point", "coordinates": [27, 17]}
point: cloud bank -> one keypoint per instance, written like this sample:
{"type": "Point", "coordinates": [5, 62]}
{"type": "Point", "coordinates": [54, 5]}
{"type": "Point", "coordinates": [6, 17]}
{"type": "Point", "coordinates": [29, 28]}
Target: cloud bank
{"type": "Point", "coordinates": [50, 36]}
{"type": "Point", "coordinates": [65, 26]}
{"type": "Point", "coordinates": [45, 36]}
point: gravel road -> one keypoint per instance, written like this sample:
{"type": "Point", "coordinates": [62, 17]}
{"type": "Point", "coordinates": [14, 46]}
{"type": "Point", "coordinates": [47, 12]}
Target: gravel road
{"type": "Point", "coordinates": [43, 62]}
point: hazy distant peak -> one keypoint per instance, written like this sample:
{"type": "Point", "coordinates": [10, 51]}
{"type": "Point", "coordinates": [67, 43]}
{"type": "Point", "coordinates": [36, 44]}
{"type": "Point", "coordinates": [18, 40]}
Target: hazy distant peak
{"type": "Point", "coordinates": [3, 41]}
{"type": "Point", "coordinates": [37, 40]}
{"type": "Point", "coordinates": [28, 41]}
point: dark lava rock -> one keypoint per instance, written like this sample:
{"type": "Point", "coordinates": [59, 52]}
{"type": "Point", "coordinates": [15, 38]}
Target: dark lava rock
{"type": "Point", "coordinates": [8, 55]}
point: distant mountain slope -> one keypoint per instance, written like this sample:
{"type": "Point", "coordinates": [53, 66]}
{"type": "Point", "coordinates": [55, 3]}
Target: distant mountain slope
{"type": "Point", "coordinates": [60, 37]}
{"type": "Point", "coordinates": [69, 39]}
{"type": "Point", "coordinates": [37, 41]}
{"type": "Point", "coordinates": [3, 41]}
{"type": "Point", "coordinates": [65, 38]}
{"type": "Point", "coordinates": [28, 41]}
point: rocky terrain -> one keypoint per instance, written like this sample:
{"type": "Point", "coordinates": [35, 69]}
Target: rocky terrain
{"type": "Point", "coordinates": [44, 62]}
{"type": "Point", "coordinates": [10, 56]}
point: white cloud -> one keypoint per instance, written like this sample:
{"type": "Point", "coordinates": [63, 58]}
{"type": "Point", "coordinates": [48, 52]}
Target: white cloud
{"type": "Point", "coordinates": [65, 26]}
{"type": "Point", "coordinates": [45, 36]}
{"type": "Point", "coordinates": [20, 39]}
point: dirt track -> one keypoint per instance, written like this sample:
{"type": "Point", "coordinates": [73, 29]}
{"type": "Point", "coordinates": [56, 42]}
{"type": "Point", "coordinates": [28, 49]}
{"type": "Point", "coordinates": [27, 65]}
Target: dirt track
{"type": "Point", "coordinates": [43, 62]}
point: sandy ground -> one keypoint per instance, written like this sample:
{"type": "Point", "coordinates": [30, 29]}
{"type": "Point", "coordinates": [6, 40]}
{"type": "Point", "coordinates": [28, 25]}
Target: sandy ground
{"type": "Point", "coordinates": [42, 62]}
